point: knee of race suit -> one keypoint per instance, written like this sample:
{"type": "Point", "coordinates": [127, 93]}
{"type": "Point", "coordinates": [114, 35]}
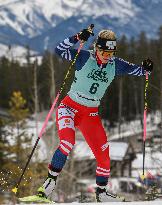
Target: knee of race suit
{"type": "Point", "coordinates": [60, 156]}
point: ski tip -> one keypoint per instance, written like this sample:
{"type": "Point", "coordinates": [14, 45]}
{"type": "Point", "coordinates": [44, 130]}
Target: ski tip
{"type": "Point", "coordinates": [35, 199]}
{"type": "Point", "coordinates": [14, 190]}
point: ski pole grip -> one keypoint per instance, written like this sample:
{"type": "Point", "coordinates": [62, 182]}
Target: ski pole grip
{"type": "Point", "coordinates": [91, 27]}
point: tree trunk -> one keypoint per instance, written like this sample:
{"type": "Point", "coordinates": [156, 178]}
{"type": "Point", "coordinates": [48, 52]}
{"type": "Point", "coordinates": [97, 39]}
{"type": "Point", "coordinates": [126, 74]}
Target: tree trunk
{"type": "Point", "coordinates": [120, 104]}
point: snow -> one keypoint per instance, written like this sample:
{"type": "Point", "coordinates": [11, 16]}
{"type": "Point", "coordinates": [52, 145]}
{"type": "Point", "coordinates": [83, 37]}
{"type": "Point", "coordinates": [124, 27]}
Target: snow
{"type": "Point", "coordinates": [67, 9]}
{"type": "Point", "coordinates": [114, 203]}
{"type": "Point", "coordinates": [114, 183]}
{"type": "Point", "coordinates": [30, 21]}
{"type": "Point", "coordinates": [132, 132]}
{"type": "Point", "coordinates": [153, 160]}
{"type": "Point", "coordinates": [83, 151]}
{"type": "Point", "coordinates": [153, 163]}
{"type": "Point", "coordinates": [33, 130]}
{"type": "Point", "coordinates": [25, 16]}
{"type": "Point", "coordinates": [134, 127]}
{"type": "Point", "coordinates": [118, 150]}
{"type": "Point", "coordinates": [122, 203]}
{"type": "Point", "coordinates": [18, 53]}
{"type": "Point", "coordinates": [3, 49]}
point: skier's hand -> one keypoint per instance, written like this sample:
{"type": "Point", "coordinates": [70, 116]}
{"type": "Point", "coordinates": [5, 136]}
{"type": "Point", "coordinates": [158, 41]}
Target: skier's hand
{"type": "Point", "coordinates": [85, 33]}
{"type": "Point", "coordinates": [147, 64]}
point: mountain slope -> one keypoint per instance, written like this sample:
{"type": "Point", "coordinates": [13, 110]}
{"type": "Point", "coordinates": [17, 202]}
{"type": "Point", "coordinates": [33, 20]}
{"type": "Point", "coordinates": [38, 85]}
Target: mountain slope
{"type": "Point", "coordinates": [42, 24]}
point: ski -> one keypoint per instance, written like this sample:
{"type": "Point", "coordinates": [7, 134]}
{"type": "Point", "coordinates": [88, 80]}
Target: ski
{"type": "Point", "coordinates": [35, 199]}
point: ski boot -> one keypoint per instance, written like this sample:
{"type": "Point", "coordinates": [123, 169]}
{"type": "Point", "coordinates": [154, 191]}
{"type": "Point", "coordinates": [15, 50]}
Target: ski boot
{"type": "Point", "coordinates": [102, 195]}
{"type": "Point", "coordinates": [42, 193]}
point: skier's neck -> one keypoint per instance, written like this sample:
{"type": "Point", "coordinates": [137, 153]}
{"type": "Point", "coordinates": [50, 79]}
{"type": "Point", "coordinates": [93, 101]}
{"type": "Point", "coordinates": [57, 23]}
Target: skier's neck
{"type": "Point", "coordinates": [99, 62]}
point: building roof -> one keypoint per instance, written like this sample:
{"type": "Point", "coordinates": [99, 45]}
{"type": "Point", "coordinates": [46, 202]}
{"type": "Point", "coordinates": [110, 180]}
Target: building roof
{"type": "Point", "coordinates": [118, 150]}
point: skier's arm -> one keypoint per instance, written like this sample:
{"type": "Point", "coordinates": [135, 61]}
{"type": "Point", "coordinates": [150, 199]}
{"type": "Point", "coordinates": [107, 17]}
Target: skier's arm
{"type": "Point", "coordinates": [65, 51]}
{"type": "Point", "coordinates": [64, 48]}
{"type": "Point", "coordinates": [123, 67]}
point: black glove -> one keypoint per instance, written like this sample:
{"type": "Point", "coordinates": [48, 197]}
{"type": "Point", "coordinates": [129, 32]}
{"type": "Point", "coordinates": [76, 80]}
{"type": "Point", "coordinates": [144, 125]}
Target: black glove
{"type": "Point", "coordinates": [85, 33]}
{"type": "Point", "coordinates": [147, 65]}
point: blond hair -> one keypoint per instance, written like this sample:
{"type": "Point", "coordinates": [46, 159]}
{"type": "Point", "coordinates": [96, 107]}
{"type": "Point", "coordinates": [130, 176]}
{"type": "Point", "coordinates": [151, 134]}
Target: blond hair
{"type": "Point", "coordinates": [107, 34]}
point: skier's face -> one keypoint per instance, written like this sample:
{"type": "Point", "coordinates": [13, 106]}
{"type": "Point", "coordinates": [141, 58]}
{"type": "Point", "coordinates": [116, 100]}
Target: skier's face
{"type": "Point", "coordinates": [104, 55]}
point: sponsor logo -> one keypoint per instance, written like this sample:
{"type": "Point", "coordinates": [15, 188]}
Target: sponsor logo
{"type": "Point", "coordinates": [98, 75]}
{"type": "Point", "coordinates": [69, 108]}
{"type": "Point", "coordinates": [105, 146]}
{"type": "Point", "coordinates": [67, 122]}
{"type": "Point", "coordinates": [111, 45]}
{"type": "Point", "coordinates": [93, 114]}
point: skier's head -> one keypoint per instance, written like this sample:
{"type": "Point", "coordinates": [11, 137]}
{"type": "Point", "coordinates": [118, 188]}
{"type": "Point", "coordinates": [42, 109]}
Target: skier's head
{"type": "Point", "coordinates": [105, 45]}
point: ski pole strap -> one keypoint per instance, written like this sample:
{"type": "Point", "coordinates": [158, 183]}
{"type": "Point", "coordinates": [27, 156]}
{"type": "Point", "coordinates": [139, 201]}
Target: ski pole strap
{"type": "Point", "coordinates": [145, 108]}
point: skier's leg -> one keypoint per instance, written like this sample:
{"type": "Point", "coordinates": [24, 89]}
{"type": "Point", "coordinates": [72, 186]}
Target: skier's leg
{"type": "Point", "coordinates": [94, 133]}
{"type": "Point", "coordinates": [96, 138]}
{"type": "Point", "coordinates": [66, 132]}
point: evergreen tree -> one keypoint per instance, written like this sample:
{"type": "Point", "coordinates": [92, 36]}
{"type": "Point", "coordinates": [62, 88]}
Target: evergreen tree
{"type": "Point", "coordinates": [159, 67]}
{"type": "Point", "coordinates": [122, 92]}
{"type": "Point", "coordinates": [142, 48]}
{"type": "Point", "coordinates": [132, 56]}
{"type": "Point", "coordinates": [20, 77]}
{"type": "Point", "coordinates": [3, 141]}
{"type": "Point", "coordinates": [18, 149]}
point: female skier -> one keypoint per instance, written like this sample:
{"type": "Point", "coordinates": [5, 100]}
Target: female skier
{"type": "Point", "coordinates": [94, 71]}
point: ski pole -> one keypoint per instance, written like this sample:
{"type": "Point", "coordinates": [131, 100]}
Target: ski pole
{"type": "Point", "coordinates": [145, 120]}
{"type": "Point", "coordinates": [15, 189]}
{"type": "Point", "coordinates": [46, 120]}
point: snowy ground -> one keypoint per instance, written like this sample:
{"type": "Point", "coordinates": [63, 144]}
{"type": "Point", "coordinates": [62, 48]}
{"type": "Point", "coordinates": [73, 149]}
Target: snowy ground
{"type": "Point", "coordinates": [122, 203]}
{"type": "Point", "coordinates": [113, 203]}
